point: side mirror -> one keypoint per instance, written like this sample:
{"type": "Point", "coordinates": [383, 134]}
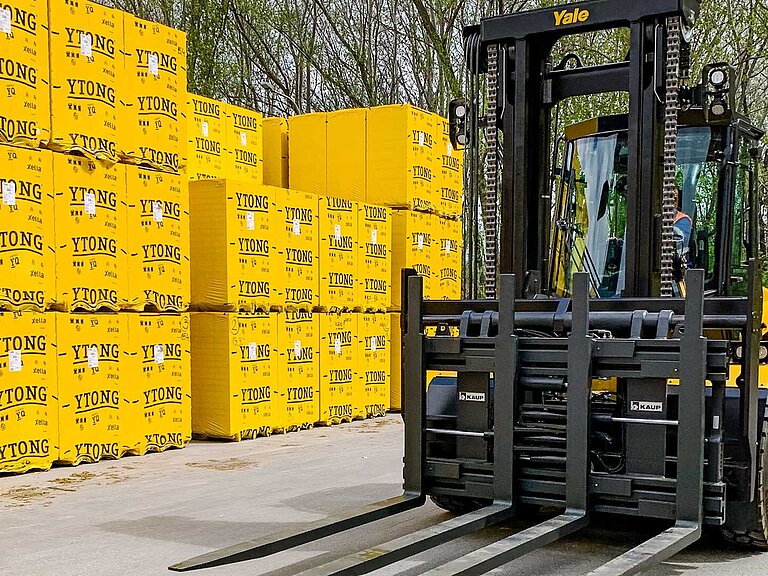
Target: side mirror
{"type": "Point", "coordinates": [458, 113]}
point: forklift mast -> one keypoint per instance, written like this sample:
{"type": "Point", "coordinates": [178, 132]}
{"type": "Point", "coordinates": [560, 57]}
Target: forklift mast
{"type": "Point", "coordinates": [530, 87]}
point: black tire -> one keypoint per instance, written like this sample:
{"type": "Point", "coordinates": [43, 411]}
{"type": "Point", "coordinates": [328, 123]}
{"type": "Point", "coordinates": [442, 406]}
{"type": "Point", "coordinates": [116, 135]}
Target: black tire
{"type": "Point", "coordinates": [757, 537]}
{"type": "Point", "coordinates": [458, 504]}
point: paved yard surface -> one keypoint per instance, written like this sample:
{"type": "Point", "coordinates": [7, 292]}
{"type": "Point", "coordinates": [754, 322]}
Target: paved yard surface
{"type": "Point", "coordinates": [138, 515]}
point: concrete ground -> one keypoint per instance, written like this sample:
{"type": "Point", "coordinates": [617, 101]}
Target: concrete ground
{"type": "Point", "coordinates": [138, 515]}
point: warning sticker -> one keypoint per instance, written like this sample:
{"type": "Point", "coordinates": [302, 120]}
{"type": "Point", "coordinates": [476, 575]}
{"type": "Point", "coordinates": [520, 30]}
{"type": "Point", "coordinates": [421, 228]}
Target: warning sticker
{"type": "Point", "coordinates": [9, 193]}
{"type": "Point", "coordinates": [5, 21]}
{"type": "Point", "coordinates": [157, 211]}
{"type": "Point", "coordinates": [153, 64]}
{"type": "Point", "coordinates": [86, 45]}
{"type": "Point", "coordinates": [14, 360]}
{"type": "Point", "coordinates": [90, 203]}
{"type": "Point", "coordinates": [92, 354]}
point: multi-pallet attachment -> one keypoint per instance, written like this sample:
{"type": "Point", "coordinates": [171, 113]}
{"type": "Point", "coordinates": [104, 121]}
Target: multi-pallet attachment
{"type": "Point", "coordinates": [499, 358]}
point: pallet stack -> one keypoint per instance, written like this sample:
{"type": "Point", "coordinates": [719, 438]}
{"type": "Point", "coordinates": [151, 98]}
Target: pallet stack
{"type": "Point", "coordinates": [94, 231]}
{"type": "Point", "coordinates": [394, 160]}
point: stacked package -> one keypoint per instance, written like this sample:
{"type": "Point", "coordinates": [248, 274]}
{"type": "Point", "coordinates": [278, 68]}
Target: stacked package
{"type": "Point", "coordinates": [338, 230]}
{"type": "Point", "coordinates": [91, 379]}
{"type": "Point", "coordinates": [28, 407]}
{"type": "Point", "coordinates": [275, 152]}
{"type": "Point", "coordinates": [26, 229]}
{"type": "Point", "coordinates": [24, 98]}
{"type": "Point", "coordinates": [236, 393]}
{"type": "Point", "coordinates": [157, 394]}
{"type": "Point", "coordinates": [155, 125]}
{"type": "Point", "coordinates": [86, 63]}
{"type": "Point", "coordinates": [341, 398]}
{"type": "Point", "coordinates": [91, 235]}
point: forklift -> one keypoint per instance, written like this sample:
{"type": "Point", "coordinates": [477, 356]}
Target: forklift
{"type": "Point", "coordinates": [619, 362]}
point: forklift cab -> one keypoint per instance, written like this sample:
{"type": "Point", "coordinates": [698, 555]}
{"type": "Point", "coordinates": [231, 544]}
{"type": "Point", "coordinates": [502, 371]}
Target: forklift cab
{"type": "Point", "coordinates": [716, 193]}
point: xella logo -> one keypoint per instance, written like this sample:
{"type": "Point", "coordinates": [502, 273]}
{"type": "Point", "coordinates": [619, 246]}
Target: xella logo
{"type": "Point", "coordinates": [568, 17]}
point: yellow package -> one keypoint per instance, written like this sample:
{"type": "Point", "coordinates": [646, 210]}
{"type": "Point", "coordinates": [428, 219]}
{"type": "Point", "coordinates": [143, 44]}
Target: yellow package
{"type": "Point", "coordinates": [307, 151]}
{"type": "Point", "coordinates": [347, 156]}
{"type": "Point", "coordinates": [24, 91]}
{"type": "Point", "coordinates": [374, 369]}
{"type": "Point", "coordinates": [297, 244]}
{"type": "Point", "coordinates": [401, 157]}
{"type": "Point", "coordinates": [158, 240]}
{"type": "Point", "coordinates": [395, 363]}
{"type": "Point", "coordinates": [27, 264]}
{"type": "Point", "coordinates": [233, 237]}
{"type": "Point", "coordinates": [156, 388]}
{"type": "Point", "coordinates": [449, 182]}
{"type": "Point", "coordinates": [86, 58]}
{"type": "Point", "coordinates": [91, 237]}
{"type": "Point", "coordinates": [448, 246]}
{"type": "Point", "coordinates": [90, 386]}
{"type": "Point", "coordinates": [374, 260]}
{"type": "Point", "coordinates": [338, 254]}
{"type": "Point", "coordinates": [28, 409]}
{"type": "Point", "coordinates": [275, 151]}
{"type": "Point", "coordinates": [412, 238]}
{"type": "Point", "coordinates": [206, 138]}
{"type": "Point", "coordinates": [298, 369]}
{"type": "Point", "coordinates": [155, 93]}
{"type": "Point", "coordinates": [235, 390]}
{"type": "Point", "coordinates": [244, 159]}
{"type": "Point", "coordinates": [341, 398]}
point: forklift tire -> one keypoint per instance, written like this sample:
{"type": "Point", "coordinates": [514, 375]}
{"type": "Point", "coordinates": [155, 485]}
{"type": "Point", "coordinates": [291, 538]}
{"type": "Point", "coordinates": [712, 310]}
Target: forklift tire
{"type": "Point", "coordinates": [459, 505]}
{"type": "Point", "coordinates": [757, 538]}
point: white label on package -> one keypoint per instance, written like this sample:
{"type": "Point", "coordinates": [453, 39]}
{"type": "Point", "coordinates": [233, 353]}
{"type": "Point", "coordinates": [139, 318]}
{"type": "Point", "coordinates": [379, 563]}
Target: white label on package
{"type": "Point", "coordinates": [86, 45]}
{"type": "Point", "coordinates": [297, 349]}
{"type": "Point", "coordinates": [159, 356]}
{"type": "Point", "coordinates": [157, 211]}
{"type": "Point", "coordinates": [420, 241]}
{"type": "Point", "coordinates": [243, 139]}
{"type": "Point", "coordinates": [5, 21]}
{"type": "Point", "coordinates": [14, 360]}
{"type": "Point", "coordinates": [93, 356]}
{"type": "Point", "coordinates": [421, 138]}
{"type": "Point", "coordinates": [450, 150]}
{"type": "Point", "coordinates": [204, 128]}
{"type": "Point", "coordinates": [296, 227]}
{"type": "Point", "coordinates": [250, 221]}
{"type": "Point", "coordinates": [337, 231]}
{"type": "Point", "coordinates": [9, 193]}
{"type": "Point", "coordinates": [374, 236]}
{"type": "Point", "coordinates": [447, 246]}
{"type": "Point", "coordinates": [153, 63]}
{"type": "Point", "coordinates": [90, 203]}
{"type": "Point", "coordinates": [374, 343]}
{"type": "Point", "coordinates": [251, 350]}
{"type": "Point", "coordinates": [337, 346]}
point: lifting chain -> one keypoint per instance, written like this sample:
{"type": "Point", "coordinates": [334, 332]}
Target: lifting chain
{"type": "Point", "coordinates": [490, 207]}
{"type": "Point", "coordinates": [669, 197]}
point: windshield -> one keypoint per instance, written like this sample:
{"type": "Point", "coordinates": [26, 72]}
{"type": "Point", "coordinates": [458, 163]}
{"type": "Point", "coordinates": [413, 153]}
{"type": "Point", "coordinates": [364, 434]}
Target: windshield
{"type": "Point", "coordinates": [591, 213]}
